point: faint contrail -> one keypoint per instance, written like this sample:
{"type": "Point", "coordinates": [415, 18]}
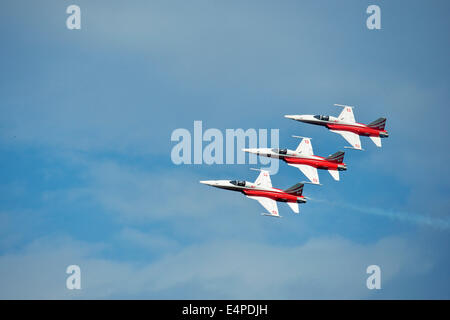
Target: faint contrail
{"type": "Point", "coordinates": [398, 215]}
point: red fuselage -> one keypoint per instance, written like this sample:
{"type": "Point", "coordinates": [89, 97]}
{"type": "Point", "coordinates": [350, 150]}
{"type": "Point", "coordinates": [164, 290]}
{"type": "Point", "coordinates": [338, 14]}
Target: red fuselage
{"type": "Point", "coordinates": [360, 129]}
{"type": "Point", "coordinates": [277, 195]}
{"type": "Point", "coordinates": [320, 163]}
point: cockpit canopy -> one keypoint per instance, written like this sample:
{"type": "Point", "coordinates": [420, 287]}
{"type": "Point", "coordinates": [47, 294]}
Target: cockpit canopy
{"type": "Point", "coordinates": [324, 118]}
{"type": "Point", "coordinates": [238, 183]}
{"type": "Point", "coordinates": [280, 151]}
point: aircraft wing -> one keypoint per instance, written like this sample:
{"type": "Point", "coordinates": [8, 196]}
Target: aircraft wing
{"type": "Point", "coordinates": [263, 179]}
{"type": "Point", "coordinates": [308, 171]}
{"type": "Point", "coordinates": [351, 138]}
{"type": "Point", "coordinates": [269, 204]}
{"type": "Point", "coordinates": [347, 114]}
{"type": "Point", "coordinates": [305, 147]}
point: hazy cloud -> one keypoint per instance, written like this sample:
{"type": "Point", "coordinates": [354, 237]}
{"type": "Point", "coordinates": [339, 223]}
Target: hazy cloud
{"type": "Point", "coordinates": [321, 268]}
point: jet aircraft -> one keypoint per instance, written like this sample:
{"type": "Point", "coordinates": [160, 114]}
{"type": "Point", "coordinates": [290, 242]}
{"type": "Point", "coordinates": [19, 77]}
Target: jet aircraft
{"type": "Point", "coordinates": [304, 159]}
{"type": "Point", "coordinates": [262, 191]}
{"type": "Point", "coordinates": [347, 127]}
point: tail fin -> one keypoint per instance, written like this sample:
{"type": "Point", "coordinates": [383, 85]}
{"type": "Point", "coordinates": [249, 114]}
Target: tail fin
{"type": "Point", "coordinates": [336, 157]}
{"type": "Point", "coordinates": [296, 189]}
{"type": "Point", "coordinates": [378, 124]}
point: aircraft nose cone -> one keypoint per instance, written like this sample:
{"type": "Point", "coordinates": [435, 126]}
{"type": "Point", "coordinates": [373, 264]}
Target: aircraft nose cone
{"type": "Point", "coordinates": [251, 150]}
{"type": "Point", "coordinates": [209, 183]}
{"type": "Point", "coordinates": [296, 117]}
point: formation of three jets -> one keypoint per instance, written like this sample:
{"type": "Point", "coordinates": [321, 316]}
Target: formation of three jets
{"type": "Point", "coordinates": [304, 159]}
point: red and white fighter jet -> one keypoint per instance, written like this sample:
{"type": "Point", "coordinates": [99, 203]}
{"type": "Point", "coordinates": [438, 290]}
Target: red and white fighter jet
{"type": "Point", "coordinates": [346, 126]}
{"type": "Point", "coordinates": [262, 191]}
{"type": "Point", "coordinates": [304, 159]}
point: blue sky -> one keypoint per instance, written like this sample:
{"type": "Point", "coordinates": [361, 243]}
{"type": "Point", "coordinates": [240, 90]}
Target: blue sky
{"type": "Point", "coordinates": [86, 176]}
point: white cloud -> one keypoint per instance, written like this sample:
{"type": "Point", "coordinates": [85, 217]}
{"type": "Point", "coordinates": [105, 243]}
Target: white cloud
{"type": "Point", "coordinates": [321, 268]}
{"type": "Point", "coordinates": [412, 217]}
{"type": "Point", "coordinates": [140, 195]}
{"type": "Point", "coordinates": [153, 240]}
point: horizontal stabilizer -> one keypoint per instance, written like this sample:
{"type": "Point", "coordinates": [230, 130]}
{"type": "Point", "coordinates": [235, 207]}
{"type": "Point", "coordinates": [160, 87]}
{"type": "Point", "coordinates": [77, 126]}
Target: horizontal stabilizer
{"type": "Point", "coordinates": [334, 174]}
{"type": "Point", "coordinates": [293, 206]}
{"type": "Point", "coordinates": [376, 140]}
